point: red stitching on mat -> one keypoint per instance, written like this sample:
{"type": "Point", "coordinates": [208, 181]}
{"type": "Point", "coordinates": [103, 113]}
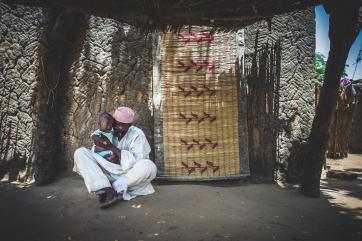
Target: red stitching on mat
{"type": "Point", "coordinates": [200, 167]}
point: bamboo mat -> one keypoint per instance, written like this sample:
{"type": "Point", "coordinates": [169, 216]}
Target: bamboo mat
{"type": "Point", "coordinates": [200, 114]}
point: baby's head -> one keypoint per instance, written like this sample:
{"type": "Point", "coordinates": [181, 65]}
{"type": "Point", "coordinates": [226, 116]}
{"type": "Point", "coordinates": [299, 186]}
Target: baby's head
{"type": "Point", "coordinates": [105, 122]}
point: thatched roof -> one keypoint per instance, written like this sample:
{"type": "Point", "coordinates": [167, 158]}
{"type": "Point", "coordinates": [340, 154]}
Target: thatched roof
{"type": "Point", "coordinates": [149, 14]}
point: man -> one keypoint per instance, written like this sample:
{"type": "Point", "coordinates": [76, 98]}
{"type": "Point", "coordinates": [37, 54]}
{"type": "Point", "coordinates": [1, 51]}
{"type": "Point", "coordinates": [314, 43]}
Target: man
{"type": "Point", "coordinates": [130, 176]}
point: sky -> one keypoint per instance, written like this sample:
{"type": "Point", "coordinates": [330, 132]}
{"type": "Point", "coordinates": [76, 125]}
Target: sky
{"type": "Point", "coordinates": [322, 43]}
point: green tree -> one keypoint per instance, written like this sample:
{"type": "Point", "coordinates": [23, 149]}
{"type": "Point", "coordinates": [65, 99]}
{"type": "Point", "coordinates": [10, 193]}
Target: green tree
{"type": "Point", "coordinates": [320, 66]}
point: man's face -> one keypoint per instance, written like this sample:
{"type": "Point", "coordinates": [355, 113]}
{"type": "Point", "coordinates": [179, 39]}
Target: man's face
{"type": "Point", "coordinates": [121, 128]}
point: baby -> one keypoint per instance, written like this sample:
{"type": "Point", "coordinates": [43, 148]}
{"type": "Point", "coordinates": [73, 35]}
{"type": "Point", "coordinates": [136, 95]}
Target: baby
{"type": "Point", "coordinates": [103, 136]}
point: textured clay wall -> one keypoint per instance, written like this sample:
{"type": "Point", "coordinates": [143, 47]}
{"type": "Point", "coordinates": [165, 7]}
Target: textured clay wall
{"type": "Point", "coordinates": [111, 65]}
{"type": "Point", "coordinates": [112, 69]}
{"type": "Point", "coordinates": [20, 34]}
{"type": "Point", "coordinates": [296, 32]}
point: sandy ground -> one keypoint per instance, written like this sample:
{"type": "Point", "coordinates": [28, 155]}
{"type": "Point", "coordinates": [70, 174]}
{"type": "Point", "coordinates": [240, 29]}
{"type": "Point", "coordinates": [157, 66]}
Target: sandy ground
{"type": "Point", "coordinates": [187, 211]}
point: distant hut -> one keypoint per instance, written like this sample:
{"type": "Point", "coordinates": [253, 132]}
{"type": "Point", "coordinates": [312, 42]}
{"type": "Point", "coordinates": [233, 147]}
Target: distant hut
{"type": "Point", "coordinates": [355, 136]}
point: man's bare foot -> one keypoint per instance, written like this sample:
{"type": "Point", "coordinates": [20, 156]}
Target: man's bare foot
{"type": "Point", "coordinates": [112, 197]}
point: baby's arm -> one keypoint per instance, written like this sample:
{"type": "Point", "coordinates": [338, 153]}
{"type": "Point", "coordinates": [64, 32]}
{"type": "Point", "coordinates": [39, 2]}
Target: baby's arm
{"type": "Point", "coordinates": [113, 158]}
{"type": "Point", "coordinates": [101, 143]}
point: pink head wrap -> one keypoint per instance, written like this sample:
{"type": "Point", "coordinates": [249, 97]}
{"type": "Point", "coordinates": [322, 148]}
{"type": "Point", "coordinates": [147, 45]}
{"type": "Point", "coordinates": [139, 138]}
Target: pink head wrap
{"type": "Point", "coordinates": [124, 114]}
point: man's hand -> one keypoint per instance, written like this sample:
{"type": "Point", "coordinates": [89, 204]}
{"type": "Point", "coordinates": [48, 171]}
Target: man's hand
{"type": "Point", "coordinates": [105, 140]}
{"type": "Point", "coordinates": [101, 141]}
{"type": "Point", "coordinates": [116, 152]}
{"type": "Point", "coordinates": [112, 158]}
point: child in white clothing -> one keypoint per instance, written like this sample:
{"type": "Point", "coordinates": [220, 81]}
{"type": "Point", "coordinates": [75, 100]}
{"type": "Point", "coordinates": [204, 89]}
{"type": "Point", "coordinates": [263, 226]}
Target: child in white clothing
{"type": "Point", "coordinates": [103, 136]}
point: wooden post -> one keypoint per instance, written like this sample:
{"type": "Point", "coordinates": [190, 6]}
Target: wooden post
{"type": "Point", "coordinates": [343, 29]}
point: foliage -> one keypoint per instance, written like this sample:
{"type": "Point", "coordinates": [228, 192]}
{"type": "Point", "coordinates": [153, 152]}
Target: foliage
{"type": "Point", "coordinates": [320, 67]}
{"type": "Point", "coordinates": [347, 90]}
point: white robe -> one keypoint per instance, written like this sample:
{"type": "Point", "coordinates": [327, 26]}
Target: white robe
{"type": "Point", "coordinates": [132, 177]}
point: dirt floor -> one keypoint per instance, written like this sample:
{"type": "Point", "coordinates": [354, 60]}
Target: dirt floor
{"type": "Point", "coordinates": [187, 211]}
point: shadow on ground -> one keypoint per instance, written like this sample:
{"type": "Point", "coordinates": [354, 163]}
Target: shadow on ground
{"type": "Point", "coordinates": [65, 211]}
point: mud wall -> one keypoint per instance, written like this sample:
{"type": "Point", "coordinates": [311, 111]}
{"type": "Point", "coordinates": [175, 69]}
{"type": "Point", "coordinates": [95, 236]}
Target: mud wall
{"type": "Point", "coordinates": [21, 30]}
{"type": "Point", "coordinates": [107, 64]}
{"type": "Point", "coordinates": [113, 69]}
{"type": "Point", "coordinates": [295, 94]}
{"type": "Point", "coordinates": [50, 81]}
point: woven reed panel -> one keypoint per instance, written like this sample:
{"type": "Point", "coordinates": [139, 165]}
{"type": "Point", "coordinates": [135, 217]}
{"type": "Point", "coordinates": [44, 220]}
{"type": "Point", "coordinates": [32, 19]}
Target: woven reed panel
{"type": "Point", "coordinates": [199, 94]}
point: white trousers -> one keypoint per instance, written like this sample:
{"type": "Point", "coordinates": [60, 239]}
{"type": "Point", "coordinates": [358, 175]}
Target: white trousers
{"type": "Point", "coordinates": [98, 173]}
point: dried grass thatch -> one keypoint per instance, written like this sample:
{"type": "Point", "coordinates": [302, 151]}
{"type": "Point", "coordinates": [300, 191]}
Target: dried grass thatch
{"type": "Point", "coordinates": [224, 15]}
